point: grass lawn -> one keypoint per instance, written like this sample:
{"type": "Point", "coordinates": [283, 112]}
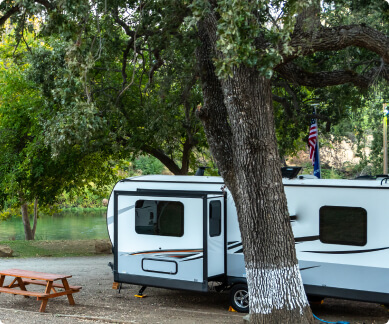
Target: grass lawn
{"type": "Point", "coordinates": [29, 249]}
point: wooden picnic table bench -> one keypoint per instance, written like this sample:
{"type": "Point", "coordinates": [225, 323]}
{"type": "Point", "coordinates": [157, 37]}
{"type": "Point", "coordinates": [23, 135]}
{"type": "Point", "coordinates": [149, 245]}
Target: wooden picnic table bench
{"type": "Point", "coordinates": [22, 278]}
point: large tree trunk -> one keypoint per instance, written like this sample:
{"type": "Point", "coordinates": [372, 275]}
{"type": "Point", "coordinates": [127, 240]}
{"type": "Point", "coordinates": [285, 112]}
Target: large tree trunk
{"type": "Point", "coordinates": [238, 118]}
{"type": "Point", "coordinates": [28, 234]}
{"type": "Point", "coordinates": [275, 286]}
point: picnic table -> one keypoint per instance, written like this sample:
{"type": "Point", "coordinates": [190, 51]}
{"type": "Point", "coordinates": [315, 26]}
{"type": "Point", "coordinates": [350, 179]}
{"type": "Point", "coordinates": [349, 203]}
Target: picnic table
{"type": "Point", "coordinates": [22, 278]}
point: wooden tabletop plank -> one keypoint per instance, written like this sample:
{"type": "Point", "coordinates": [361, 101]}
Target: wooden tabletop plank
{"type": "Point", "coordinates": [44, 283]}
{"type": "Point", "coordinates": [33, 274]}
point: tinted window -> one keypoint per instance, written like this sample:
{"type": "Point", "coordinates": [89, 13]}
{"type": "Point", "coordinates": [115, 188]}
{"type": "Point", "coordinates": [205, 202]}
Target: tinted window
{"type": "Point", "coordinates": [215, 218]}
{"type": "Point", "coordinates": [153, 217]}
{"type": "Point", "coordinates": [343, 225]}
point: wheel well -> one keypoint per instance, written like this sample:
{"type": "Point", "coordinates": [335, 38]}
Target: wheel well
{"type": "Point", "coordinates": [236, 280]}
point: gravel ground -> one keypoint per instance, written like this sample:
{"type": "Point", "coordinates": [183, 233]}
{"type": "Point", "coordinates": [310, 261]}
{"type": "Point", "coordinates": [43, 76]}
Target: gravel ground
{"type": "Point", "coordinates": [98, 302]}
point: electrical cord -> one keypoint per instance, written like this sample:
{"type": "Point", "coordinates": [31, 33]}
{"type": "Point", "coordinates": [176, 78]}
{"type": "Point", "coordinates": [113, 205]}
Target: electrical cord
{"type": "Point", "coordinates": [340, 322]}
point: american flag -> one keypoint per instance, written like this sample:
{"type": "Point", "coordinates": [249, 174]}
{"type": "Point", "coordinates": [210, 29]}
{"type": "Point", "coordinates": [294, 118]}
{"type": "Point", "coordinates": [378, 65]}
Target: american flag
{"type": "Point", "coordinates": [312, 140]}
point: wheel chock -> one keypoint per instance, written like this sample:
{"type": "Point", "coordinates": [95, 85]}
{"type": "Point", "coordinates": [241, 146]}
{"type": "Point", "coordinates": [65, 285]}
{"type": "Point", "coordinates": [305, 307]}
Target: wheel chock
{"type": "Point", "coordinates": [140, 296]}
{"type": "Point", "coordinates": [231, 309]}
{"type": "Point", "coordinates": [115, 285]}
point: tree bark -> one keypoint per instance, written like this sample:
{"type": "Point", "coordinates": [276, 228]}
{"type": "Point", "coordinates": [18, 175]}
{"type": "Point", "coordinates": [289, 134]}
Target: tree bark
{"type": "Point", "coordinates": [275, 286]}
{"type": "Point", "coordinates": [28, 234]}
{"type": "Point", "coordinates": [251, 170]}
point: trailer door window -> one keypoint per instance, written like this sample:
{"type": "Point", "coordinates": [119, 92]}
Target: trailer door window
{"type": "Point", "coordinates": [165, 218]}
{"type": "Point", "coordinates": [343, 225]}
{"type": "Point", "coordinates": [215, 218]}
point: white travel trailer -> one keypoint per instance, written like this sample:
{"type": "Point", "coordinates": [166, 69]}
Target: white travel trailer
{"type": "Point", "coordinates": [181, 232]}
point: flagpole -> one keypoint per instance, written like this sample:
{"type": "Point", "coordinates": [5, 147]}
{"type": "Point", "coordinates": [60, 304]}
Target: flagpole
{"type": "Point", "coordinates": [385, 140]}
{"type": "Point", "coordinates": [317, 152]}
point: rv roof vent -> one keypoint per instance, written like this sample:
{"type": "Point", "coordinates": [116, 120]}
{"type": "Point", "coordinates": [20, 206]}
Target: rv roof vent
{"type": "Point", "coordinates": [200, 171]}
{"type": "Point", "coordinates": [290, 172]}
{"type": "Point", "coordinates": [307, 176]}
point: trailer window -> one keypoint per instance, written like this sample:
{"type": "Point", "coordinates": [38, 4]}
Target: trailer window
{"type": "Point", "coordinates": [215, 218]}
{"type": "Point", "coordinates": [165, 218]}
{"type": "Point", "coordinates": [343, 225]}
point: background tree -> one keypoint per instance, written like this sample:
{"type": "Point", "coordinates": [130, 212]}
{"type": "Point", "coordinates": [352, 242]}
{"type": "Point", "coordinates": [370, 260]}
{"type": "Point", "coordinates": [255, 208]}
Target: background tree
{"type": "Point", "coordinates": [108, 96]}
{"type": "Point", "coordinates": [28, 171]}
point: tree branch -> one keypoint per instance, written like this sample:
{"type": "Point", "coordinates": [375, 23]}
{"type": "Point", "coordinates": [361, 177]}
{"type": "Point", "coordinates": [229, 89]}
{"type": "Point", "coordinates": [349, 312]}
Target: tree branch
{"type": "Point", "coordinates": [121, 23]}
{"type": "Point", "coordinates": [321, 117]}
{"type": "Point", "coordinates": [298, 76]}
{"type": "Point", "coordinates": [130, 43]}
{"type": "Point", "coordinates": [159, 62]}
{"type": "Point", "coordinates": [186, 149]}
{"type": "Point", "coordinates": [189, 109]}
{"type": "Point", "coordinates": [309, 18]}
{"type": "Point", "coordinates": [48, 5]}
{"type": "Point", "coordinates": [286, 104]}
{"type": "Point", "coordinates": [160, 155]}
{"type": "Point", "coordinates": [337, 38]}
{"type": "Point", "coordinates": [291, 92]}
{"type": "Point", "coordinates": [126, 52]}
{"type": "Point", "coordinates": [8, 14]}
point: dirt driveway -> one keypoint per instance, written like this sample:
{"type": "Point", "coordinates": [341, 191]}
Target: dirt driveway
{"type": "Point", "coordinates": [98, 302]}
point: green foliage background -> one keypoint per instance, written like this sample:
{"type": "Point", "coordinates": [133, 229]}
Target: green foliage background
{"type": "Point", "coordinates": [63, 103]}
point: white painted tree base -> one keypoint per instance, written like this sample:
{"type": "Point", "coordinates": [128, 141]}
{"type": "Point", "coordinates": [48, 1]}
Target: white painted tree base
{"type": "Point", "coordinates": [276, 289]}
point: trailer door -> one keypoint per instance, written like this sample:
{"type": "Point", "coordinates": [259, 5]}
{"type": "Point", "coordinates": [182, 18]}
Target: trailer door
{"type": "Point", "coordinates": [216, 236]}
{"type": "Point", "coordinates": [159, 239]}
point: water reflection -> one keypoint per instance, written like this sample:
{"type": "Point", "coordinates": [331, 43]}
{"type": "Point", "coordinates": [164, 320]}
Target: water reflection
{"type": "Point", "coordinates": [67, 225]}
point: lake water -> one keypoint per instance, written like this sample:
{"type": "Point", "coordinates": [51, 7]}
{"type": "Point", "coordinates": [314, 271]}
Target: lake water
{"type": "Point", "coordinates": [68, 225]}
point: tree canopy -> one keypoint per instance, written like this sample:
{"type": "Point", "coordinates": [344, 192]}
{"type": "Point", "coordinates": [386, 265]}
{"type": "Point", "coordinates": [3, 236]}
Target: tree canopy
{"type": "Point", "coordinates": [101, 83]}
{"type": "Point", "coordinates": [126, 71]}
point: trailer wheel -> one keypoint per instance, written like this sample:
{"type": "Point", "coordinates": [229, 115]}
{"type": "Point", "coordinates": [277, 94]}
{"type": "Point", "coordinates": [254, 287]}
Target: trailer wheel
{"type": "Point", "coordinates": [239, 298]}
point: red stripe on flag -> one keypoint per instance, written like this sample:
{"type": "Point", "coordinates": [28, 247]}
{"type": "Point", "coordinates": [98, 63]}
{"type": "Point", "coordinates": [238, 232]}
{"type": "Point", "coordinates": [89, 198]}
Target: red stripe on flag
{"type": "Point", "coordinates": [312, 138]}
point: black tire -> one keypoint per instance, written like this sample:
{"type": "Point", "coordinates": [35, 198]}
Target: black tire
{"type": "Point", "coordinates": [239, 298]}
{"type": "Point", "coordinates": [313, 299]}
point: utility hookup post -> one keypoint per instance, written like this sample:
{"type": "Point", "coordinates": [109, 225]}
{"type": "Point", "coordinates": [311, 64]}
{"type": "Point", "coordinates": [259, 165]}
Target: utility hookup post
{"type": "Point", "coordinates": [385, 142]}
